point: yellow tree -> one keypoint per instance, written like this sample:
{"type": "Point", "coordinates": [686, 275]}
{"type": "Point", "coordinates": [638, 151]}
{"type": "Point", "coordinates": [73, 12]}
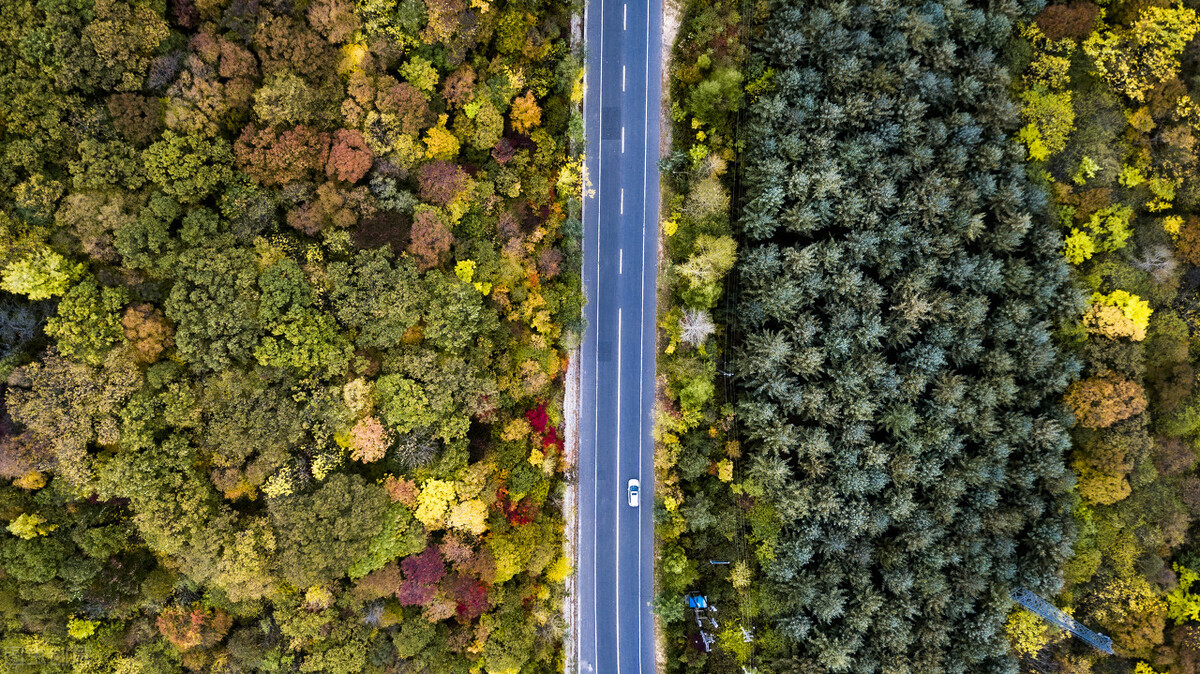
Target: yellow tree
{"type": "Point", "coordinates": [1134, 60]}
{"type": "Point", "coordinates": [469, 516]}
{"type": "Point", "coordinates": [525, 115]}
{"type": "Point", "coordinates": [439, 142]}
{"type": "Point", "coordinates": [1118, 314]}
{"type": "Point", "coordinates": [433, 502]}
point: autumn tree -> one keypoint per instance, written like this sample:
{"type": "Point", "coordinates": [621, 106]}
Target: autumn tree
{"type": "Point", "coordinates": [405, 104]}
{"type": "Point", "coordinates": [189, 627]}
{"type": "Point", "coordinates": [368, 440]}
{"type": "Point", "coordinates": [459, 86]}
{"type": "Point", "coordinates": [335, 19]}
{"type": "Point", "coordinates": [272, 159]}
{"type": "Point", "coordinates": [147, 330]}
{"type": "Point", "coordinates": [1135, 59]}
{"type": "Point", "coordinates": [283, 43]}
{"type": "Point", "coordinates": [431, 239]}
{"type": "Point", "coordinates": [525, 114]}
{"type": "Point", "coordinates": [137, 118]}
{"type": "Point", "coordinates": [1075, 20]}
{"type": "Point", "coordinates": [1099, 402]}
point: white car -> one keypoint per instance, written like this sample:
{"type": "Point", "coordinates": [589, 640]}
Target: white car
{"type": "Point", "coordinates": [634, 496]}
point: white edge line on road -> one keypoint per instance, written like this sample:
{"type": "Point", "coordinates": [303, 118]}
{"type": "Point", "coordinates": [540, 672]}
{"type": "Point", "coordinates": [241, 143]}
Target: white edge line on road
{"type": "Point", "coordinates": [596, 370]}
{"type": "Point", "coordinates": [617, 533]}
{"type": "Point", "coordinates": [642, 312]}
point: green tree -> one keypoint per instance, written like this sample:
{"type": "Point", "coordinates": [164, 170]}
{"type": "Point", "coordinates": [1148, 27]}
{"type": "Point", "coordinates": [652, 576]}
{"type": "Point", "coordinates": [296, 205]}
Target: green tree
{"type": "Point", "coordinates": [88, 322]}
{"type": "Point", "coordinates": [377, 296]}
{"type": "Point", "coordinates": [712, 100]}
{"type": "Point", "coordinates": [285, 99]}
{"type": "Point", "coordinates": [71, 405]}
{"type": "Point", "coordinates": [321, 534]}
{"type": "Point", "coordinates": [188, 168]}
{"type": "Point", "coordinates": [214, 304]}
{"type": "Point", "coordinates": [299, 335]}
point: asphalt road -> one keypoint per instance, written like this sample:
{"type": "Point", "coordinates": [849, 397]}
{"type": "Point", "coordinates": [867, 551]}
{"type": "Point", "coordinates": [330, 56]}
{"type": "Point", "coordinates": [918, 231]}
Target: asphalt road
{"type": "Point", "coordinates": [620, 218]}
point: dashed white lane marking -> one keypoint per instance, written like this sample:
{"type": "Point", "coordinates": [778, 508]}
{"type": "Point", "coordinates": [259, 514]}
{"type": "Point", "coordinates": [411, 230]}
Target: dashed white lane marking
{"type": "Point", "coordinates": [622, 201]}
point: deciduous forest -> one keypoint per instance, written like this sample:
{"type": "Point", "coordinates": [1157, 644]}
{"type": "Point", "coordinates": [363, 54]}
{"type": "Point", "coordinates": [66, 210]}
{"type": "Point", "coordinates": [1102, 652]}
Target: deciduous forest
{"type": "Point", "coordinates": [954, 352]}
{"type": "Point", "coordinates": [287, 289]}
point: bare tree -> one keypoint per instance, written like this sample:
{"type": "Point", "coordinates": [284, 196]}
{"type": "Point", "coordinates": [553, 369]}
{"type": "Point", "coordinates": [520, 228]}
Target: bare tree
{"type": "Point", "coordinates": [1158, 261]}
{"type": "Point", "coordinates": [695, 327]}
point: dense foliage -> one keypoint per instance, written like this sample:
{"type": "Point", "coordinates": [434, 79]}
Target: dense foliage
{"type": "Point", "coordinates": [702, 513]}
{"type": "Point", "coordinates": [899, 387]}
{"type": "Point", "coordinates": [1110, 129]}
{"type": "Point", "coordinates": [286, 286]}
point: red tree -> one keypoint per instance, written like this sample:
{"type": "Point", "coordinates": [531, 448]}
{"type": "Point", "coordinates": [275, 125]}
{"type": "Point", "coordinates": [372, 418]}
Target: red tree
{"type": "Point", "coordinates": [422, 572]}
{"type": "Point", "coordinates": [191, 626]}
{"type": "Point", "coordinates": [469, 595]}
{"type": "Point", "coordinates": [538, 418]}
{"type": "Point", "coordinates": [430, 239]}
{"type": "Point", "coordinates": [350, 158]}
{"type": "Point", "coordinates": [272, 160]}
{"type": "Point", "coordinates": [408, 104]}
{"type": "Point", "coordinates": [440, 181]}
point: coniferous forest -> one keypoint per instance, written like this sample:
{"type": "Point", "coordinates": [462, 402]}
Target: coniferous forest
{"type": "Point", "coordinates": [899, 290]}
{"type": "Point", "coordinates": [287, 288]}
